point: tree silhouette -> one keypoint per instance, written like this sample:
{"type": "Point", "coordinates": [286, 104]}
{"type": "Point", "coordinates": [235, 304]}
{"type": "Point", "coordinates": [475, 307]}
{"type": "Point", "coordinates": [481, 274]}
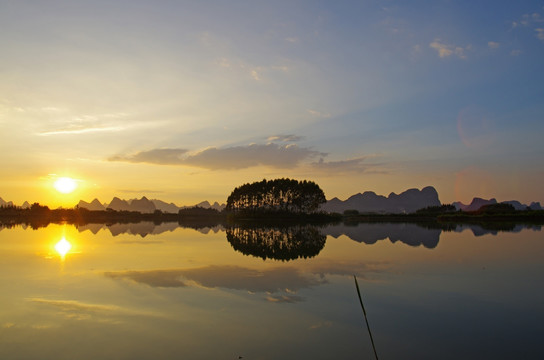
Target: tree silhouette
{"type": "Point", "coordinates": [279, 195]}
{"type": "Point", "coordinates": [277, 242]}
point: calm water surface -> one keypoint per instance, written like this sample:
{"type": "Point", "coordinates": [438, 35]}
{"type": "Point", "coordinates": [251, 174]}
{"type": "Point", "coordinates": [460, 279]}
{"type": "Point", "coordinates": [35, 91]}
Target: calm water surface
{"type": "Point", "coordinates": [162, 292]}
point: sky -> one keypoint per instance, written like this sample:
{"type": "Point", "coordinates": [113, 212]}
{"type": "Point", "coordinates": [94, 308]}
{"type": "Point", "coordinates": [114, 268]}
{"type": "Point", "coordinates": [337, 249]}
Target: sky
{"type": "Point", "coordinates": [185, 100]}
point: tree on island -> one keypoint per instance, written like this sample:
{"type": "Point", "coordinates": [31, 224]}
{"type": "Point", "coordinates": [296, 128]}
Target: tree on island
{"type": "Point", "coordinates": [276, 196]}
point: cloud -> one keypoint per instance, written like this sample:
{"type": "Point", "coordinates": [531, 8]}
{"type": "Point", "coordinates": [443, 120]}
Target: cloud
{"type": "Point", "coordinates": [357, 165]}
{"type": "Point", "coordinates": [493, 45]}
{"type": "Point", "coordinates": [82, 124]}
{"type": "Point", "coordinates": [255, 74]}
{"type": "Point", "coordinates": [319, 114]}
{"type": "Point", "coordinates": [446, 50]}
{"type": "Point", "coordinates": [153, 278]}
{"type": "Point", "coordinates": [231, 158]}
{"type": "Point", "coordinates": [224, 62]}
{"type": "Point", "coordinates": [290, 299]}
{"type": "Point", "coordinates": [531, 21]}
{"type": "Point", "coordinates": [540, 33]}
{"type": "Point", "coordinates": [81, 130]}
{"type": "Point", "coordinates": [80, 310]}
{"type": "Point", "coordinates": [155, 156]}
{"type": "Point", "coordinates": [140, 191]}
{"type": "Point", "coordinates": [291, 40]}
{"type": "Point", "coordinates": [224, 276]}
{"type": "Point", "coordinates": [363, 270]}
{"type": "Point", "coordinates": [515, 52]}
{"type": "Point", "coordinates": [285, 138]}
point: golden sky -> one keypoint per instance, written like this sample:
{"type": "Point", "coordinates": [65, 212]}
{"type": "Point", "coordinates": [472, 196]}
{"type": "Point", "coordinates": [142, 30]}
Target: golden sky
{"type": "Point", "coordinates": [183, 101]}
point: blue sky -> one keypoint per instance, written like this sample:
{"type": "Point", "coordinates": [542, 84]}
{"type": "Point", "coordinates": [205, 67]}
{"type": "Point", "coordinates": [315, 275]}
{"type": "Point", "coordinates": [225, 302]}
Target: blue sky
{"type": "Point", "coordinates": [186, 100]}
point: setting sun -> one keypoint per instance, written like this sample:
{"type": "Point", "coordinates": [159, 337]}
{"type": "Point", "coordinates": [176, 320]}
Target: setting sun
{"type": "Point", "coordinates": [65, 185]}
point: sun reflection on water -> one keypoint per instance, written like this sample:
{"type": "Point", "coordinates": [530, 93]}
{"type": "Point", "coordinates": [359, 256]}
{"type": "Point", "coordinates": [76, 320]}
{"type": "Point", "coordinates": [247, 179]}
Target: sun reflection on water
{"type": "Point", "coordinates": [63, 247]}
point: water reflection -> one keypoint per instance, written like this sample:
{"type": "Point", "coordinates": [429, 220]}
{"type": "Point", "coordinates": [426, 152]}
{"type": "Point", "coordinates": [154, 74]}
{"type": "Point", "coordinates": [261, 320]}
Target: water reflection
{"type": "Point", "coordinates": [370, 233]}
{"type": "Point", "coordinates": [275, 242]}
{"type": "Point", "coordinates": [167, 296]}
{"type": "Point", "coordinates": [298, 241]}
{"type": "Point", "coordinates": [63, 247]}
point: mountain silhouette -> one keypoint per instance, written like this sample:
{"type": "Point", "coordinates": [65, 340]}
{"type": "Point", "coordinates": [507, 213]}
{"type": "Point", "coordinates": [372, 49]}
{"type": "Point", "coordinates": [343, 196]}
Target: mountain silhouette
{"type": "Point", "coordinates": [143, 205]}
{"type": "Point", "coordinates": [165, 207]}
{"type": "Point", "coordinates": [408, 201]}
{"type": "Point", "coordinates": [5, 203]}
{"type": "Point", "coordinates": [119, 205]}
{"type": "Point", "coordinates": [94, 205]}
{"type": "Point", "coordinates": [370, 233]}
{"type": "Point", "coordinates": [535, 206]}
{"type": "Point", "coordinates": [477, 203]}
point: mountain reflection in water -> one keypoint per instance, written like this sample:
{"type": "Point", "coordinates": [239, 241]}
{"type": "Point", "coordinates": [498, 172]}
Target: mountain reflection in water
{"type": "Point", "coordinates": [165, 291]}
{"type": "Point", "coordinates": [370, 233]}
{"type": "Point", "coordinates": [289, 242]}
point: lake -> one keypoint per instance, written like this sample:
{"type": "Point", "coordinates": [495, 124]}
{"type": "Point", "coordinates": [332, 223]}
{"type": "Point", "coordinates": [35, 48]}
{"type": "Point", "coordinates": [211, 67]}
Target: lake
{"type": "Point", "coordinates": [145, 291]}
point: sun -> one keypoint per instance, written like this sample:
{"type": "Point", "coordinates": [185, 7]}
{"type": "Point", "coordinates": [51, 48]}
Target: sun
{"type": "Point", "coordinates": [65, 185]}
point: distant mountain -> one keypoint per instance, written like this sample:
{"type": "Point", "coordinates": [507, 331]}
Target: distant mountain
{"type": "Point", "coordinates": [206, 205]}
{"type": "Point", "coordinates": [94, 205]}
{"type": "Point", "coordinates": [165, 207]}
{"type": "Point", "coordinates": [477, 203]}
{"type": "Point", "coordinates": [535, 206]}
{"type": "Point", "coordinates": [217, 206]}
{"type": "Point", "coordinates": [370, 233]}
{"type": "Point", "coordinates": [143, 205]}
{"type": "Point", "coordinates": [5, 203]}
{"type": "Point", "coordinates": [516, 204]}
{"type": "Point", "coordinates": [369, 202]}
{"type": "Point", "coordinates": [119, 205]}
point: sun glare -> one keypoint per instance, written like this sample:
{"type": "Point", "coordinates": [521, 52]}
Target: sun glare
{"type": "Point", "coordinates": [65, 185]}
{"type": "Point", "coordinates": [63, 247]}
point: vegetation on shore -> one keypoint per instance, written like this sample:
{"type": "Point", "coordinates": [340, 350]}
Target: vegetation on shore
{"type": "Point", "coordinates": [279, 196]}
{"type": "Point", "coordinates": [269, 202]}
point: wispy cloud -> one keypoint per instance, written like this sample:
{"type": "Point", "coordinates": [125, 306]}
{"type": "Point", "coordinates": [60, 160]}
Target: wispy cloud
{"type": "Point", "coordinates": [230, 158]}
{"type": "Point", "coordinates": [140, 191]}
{"type": "Point", "coordinates": [515, 52]}
{"type": "Point", "coordinates": [154, 156]}
{"type": "Point", "coordinates": [356, 165]}
{"type": "Point", "coordinates": [82, 310]}
{"type": "Point", "coordinates": [224, 62]}
{"type": "Point", "coordinates": [285, 138]}
{"type": "Point", "coordinates": [446, 50]}
{"type": "Point", "coordinates": [528, 20]}
{"type": "Point", "coordinates": [493, 45]}
{"type": "Point", "coordinates": [540, 33]}
{"type": "Point", "coordinates": [153, 278]}
{"type": "Point", "coordinates": [82, 124]}
{"type": "Point", "coordinates": [255, 74]}
{"type": "Point", "coordinates": [269, 281]}
{"type": "Point", "coordinates": [319, 114]}
{"type": "Point", "coordinates": [531, 21]}
{"type": "Point", "coordinates": [81, 131]}
{"type": "Point", "coordinates": [284, 299]}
